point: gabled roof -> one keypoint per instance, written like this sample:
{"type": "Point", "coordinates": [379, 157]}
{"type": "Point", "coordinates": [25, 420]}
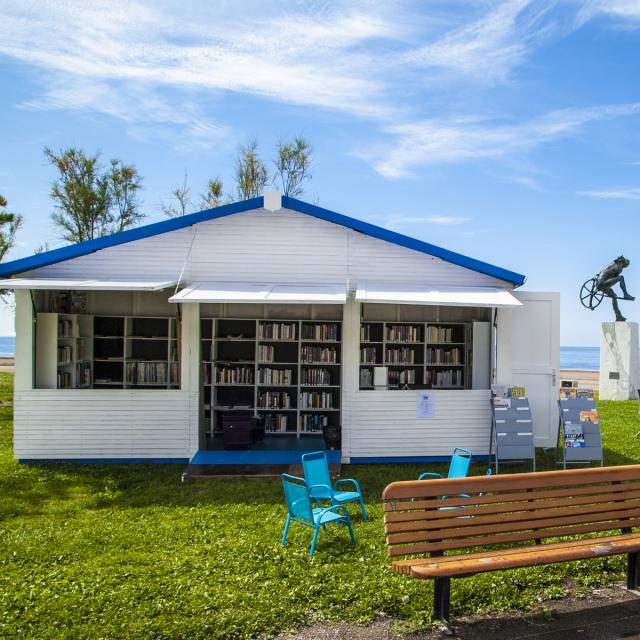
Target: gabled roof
{"type": "Point", "coordinates": [90, 246]}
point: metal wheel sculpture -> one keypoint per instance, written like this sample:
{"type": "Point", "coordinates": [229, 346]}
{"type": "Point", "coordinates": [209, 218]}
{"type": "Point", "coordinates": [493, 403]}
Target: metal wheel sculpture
{"type": "Point", "coordinates": [590, 296]}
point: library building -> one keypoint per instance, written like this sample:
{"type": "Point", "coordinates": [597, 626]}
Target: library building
{"type": "Point", "coordinates": [256, 331]}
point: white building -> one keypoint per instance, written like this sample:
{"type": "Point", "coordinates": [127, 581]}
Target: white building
{"type": "Point", "coordinates": [129, 347]}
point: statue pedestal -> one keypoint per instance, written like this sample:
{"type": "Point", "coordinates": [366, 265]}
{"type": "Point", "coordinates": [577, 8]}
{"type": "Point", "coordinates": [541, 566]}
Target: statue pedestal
{"type": "Point", "coordinates": [619, 361]}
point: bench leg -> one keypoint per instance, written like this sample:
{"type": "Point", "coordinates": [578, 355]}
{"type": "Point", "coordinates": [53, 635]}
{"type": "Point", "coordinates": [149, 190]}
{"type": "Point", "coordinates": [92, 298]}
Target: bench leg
{"type": "Point", "coordinates": [633, 571]}
{"type": "Point", "coordinates": [441, 599]}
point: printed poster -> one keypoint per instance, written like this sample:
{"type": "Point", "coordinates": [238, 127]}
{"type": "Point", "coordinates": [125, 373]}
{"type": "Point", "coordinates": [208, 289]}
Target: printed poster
{"type": "Point", "coordinates": [425, 404]}
{"type": "Point", "coordinates": [573, 436]}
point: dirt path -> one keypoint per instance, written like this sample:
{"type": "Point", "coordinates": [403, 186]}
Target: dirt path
{"type": "Point", "coordinates": [607, 614]}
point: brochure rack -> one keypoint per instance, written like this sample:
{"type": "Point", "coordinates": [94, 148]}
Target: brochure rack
{"type": "Point", "coordinates": [580, 431]}
{"type": "Point", "coordinates": [511, 431]}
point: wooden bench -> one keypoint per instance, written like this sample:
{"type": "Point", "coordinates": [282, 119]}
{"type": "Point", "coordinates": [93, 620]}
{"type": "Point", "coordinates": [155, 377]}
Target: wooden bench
{"type": "Point", "coordinates": [506, 521]}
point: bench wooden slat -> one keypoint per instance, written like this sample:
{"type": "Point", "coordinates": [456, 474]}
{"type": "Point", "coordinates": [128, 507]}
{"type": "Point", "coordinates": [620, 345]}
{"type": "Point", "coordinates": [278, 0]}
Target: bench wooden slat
{"type": "Point", "coordinates": [529, 556]}
{"type": "Point", "coordinates": [459, 530]}
{"type": "Point", "coordinates": [536, 480]}
{"type": "Point", "coordinates": [504, 503]}
{"type": "Point", "coordinates": [404, 566]}
{"type": "Point", "coordinates": [468, 517]}
{"type": "Point", "coordinates": [430, 547]}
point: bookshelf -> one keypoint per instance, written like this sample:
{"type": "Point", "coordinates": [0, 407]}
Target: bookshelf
{"type": "Point", "coordinates": [79, 351]}
{"type": "Point", "coordinates": [135, 352]}
{"type": "Point", "coordinates": [64, 354]}
{"type": "Point", "coordinates": [287, 371]}
{"type": "Point", "coordinates": [431, 355]}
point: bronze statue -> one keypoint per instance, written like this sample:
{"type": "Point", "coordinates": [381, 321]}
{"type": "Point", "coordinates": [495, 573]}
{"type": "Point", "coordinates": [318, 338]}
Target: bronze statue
{"type": "Point", "coordinates": [601, 286]}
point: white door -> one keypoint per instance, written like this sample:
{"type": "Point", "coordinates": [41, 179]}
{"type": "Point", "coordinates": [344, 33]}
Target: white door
{"type": "Point", "coordinates": [535, 359]}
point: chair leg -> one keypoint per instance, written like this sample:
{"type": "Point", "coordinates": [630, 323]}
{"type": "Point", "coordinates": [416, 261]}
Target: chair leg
{"type": "Point", "coordinates": [633, 571]}
{"type": "Point", "coordinates": [348, 519]}
{"type": "Point", "coordinates": [364, 513]}
{"type": "Point", "coordinates": [286, 530]}
{"type": "Point", "coordinates": [316, 530]}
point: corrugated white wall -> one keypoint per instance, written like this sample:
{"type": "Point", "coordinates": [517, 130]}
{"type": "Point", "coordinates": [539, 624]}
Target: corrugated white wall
{"type": "Point", "coordinates": [114, 423]}
{"type": "Point", "coordinates": [255, 246]}
{"type": "Point", "coordinates": [265, 246]}
{"type": "Point", "coordinates": [384, 424]}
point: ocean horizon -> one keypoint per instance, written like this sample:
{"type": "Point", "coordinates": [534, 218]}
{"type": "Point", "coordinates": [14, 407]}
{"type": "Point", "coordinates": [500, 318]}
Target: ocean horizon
{"type": "Point", "coordinates": [587, 358]}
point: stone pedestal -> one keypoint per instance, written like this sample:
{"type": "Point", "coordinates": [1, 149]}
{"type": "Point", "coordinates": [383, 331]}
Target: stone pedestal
{"type": "Point", "coordinates": [619, 361]}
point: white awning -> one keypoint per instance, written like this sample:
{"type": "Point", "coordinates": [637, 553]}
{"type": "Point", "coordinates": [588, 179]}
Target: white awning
{"type": "Point", "coordinates": [445, 296]}
{"type": "Point", "coordinates": [262, 293]}
{"type": "Point", "coordinates": [77, 285]}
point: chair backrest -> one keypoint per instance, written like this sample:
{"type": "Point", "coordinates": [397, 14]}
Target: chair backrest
{"type": "Point", "coordinates": [316, 468]}
{"type": "Point", "coordinates": [296, 495]}
{"type": "Point", "coordinates": [460, 461]}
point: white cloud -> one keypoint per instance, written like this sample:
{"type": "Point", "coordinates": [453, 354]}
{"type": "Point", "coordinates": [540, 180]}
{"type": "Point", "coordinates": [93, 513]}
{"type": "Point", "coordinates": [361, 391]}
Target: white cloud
{"type": "Point", "coordinates": [626, 11]}
{"type": "Point", "coordinates": [431, 142]}
{"type": "Point", "coordinates": [489, 48]}
{"type": "Point", "coordinates": [396, 221]}
{"type": "Point", "coordinates": [613, 194]}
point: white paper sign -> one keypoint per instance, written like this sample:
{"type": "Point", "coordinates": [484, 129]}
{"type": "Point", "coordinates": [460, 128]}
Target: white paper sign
{"type": "Point", "coordinates": [425, 404]}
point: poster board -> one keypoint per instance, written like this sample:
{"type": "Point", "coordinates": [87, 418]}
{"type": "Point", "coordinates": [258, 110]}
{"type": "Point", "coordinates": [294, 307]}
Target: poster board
{"type": "Point", "coordinates": [512, 436]}
{"type": "Point", "coordinates": [580, 435]}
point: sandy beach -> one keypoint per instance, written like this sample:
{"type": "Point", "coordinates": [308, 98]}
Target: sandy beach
{"type": "Point", "coordinates": [7, 364]}
{"type": "Point", "coordinates": [585, 378]}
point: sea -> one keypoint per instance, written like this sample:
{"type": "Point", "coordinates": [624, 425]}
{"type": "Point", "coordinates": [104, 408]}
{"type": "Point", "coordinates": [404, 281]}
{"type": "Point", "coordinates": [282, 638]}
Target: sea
{"type": "Point", "coordinates": [570, 357]}
{"type": "Point", "coordinates": [580, 358]}
{"type": "Point", "coordinates": [7, 346]}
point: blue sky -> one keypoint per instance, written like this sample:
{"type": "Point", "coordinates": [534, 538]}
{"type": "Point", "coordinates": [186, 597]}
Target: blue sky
{"type": "Point", "coordinates": [508, 131]}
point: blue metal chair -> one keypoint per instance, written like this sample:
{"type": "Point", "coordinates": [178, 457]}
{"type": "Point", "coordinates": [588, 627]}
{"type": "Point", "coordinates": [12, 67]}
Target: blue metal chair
{"type": "Point", "coordinates": [459, 467]}
{"type": "Point", "coordinates": [300, 510]}
{"type": "Point", "coordinates": [316, 474]}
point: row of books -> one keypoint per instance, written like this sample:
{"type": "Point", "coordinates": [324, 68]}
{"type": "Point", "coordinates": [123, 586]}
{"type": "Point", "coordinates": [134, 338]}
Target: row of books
{"type": "Point", "coordinates": [276, 423]}
{"type": "Point", "coordinates": [64, 379]}
{"type": "Point", "coordinates": [83, 374]}
{"type": "Point", "coordinates": [65, 355]}
{"type": "Point", "coordinates": [366, 377]}
{"type": "Point", "coordinates": [66, 329]}
{"type": "Point", "coordinates": [313, 423]}
{"type": "Point", "coordinates": [266, 353]}
{"type": "Point", "coordinates": [147, 373]}
{"type": "Point", "coordinates": [275, 376]}
{"type": "Point", "coordinates": [403, 333]}
{"type": "Point", "coordinates": [326, 331]}
{"type": "Point", "coordinates": [440, 334]}
{"type": "Point", "coordinates": [365, 333]}
{"type": "Point", "coordinates": [444, 356]}
{"type": "Point", "coordinates": [368, 355]}
{"type": "Point", "coordinates": [277, 330]}
{"type": "Point", "coordinates": [402, 355]}
{"type": "Point", "coordinates": [316, 376]}
{"type": "Point", "coordinates": [447, 378]}
{"type": "Point", "coordinates": [399, 378]}
{"type": "Point", "coordinates": [234, 375]}
{"type": "Point", "coordinates": [316, 400]}
{"type": "Point", "coordinates": [274, 400]}
{"type": "Point", "coordinates": [318, 354]}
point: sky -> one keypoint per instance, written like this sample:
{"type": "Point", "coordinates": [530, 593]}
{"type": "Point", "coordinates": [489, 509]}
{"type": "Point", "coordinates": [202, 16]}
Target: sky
{"type": "Point", "coordinates": [504, 130]}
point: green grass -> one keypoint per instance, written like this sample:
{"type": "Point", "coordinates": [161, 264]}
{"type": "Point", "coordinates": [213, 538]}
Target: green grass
{"type": "Point", "coordinates": [128, 551]}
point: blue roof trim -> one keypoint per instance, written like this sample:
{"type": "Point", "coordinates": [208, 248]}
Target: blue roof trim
{"type": "Point", "coordinates": [373, 230]}
{"type": "Point", "coordinates": [83, 248]}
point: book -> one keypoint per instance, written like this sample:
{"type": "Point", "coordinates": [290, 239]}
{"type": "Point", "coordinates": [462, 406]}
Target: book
{"type": "Point", "coordinates": [590, 416]}
{"type": "Point", "coordinates": [582, 392]}
{"type": "Point", "coordinates": [573, 436]}
{"type": "Point", "coordinates": [567, 392]}
{"type": "Point", "coordinates": [502, 403]}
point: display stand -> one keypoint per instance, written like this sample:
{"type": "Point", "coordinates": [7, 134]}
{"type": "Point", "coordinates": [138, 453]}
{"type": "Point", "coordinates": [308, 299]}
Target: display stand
{"type": "Point", "coordinates": [511, 431]}
{"type": "Point", "coordinates": [581, 438]}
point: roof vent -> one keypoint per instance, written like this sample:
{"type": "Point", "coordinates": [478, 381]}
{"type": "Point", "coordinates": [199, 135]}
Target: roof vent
{"type": "Point", "coordinates": [272, 200]}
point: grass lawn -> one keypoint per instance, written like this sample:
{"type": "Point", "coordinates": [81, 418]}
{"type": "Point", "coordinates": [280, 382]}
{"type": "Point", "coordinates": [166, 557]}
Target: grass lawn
{"type": "Point", "coordinates": [128, 551]}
